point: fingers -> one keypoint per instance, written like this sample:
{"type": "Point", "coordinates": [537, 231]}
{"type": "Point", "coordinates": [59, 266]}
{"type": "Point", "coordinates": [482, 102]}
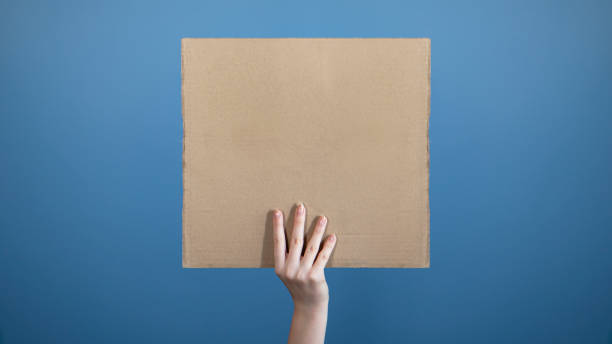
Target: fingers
{"type": "Point", "coordinates": [297, 236]}
{"type": "Point", "coordinates": [313, 244]}
{"type": "Point", "coordinates": [291, 261]}
{"type": "Point", "coordinates": [325, 253]}
{"type": "Point", "coordinates": [280, 245]}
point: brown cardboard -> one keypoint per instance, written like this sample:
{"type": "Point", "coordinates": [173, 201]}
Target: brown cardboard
{"type": "Point", "coordinates": [338, 124]}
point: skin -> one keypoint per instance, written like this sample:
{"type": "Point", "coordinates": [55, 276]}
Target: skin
{"type": "Point", "coordinates": [304, 275]}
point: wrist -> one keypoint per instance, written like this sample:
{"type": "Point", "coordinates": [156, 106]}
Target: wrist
{"type": "Point", "coordinates": [310, 308]}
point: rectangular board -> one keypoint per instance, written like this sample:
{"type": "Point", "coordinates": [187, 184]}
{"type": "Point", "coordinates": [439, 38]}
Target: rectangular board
{"type": "Point", "coordinates": [340, 124]}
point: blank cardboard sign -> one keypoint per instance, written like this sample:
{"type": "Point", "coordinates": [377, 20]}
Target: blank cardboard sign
{"type": "Point", "coordinates": [338, 124]}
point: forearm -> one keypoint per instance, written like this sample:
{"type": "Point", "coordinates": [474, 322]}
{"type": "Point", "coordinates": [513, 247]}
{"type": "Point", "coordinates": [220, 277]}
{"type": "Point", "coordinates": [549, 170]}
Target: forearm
{"type": "Point", "coordinates": [308, 324]}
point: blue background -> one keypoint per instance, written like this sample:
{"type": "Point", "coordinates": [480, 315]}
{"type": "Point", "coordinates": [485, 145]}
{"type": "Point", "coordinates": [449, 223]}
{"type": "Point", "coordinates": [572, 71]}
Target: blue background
{"type": "Point", "coordinates": [90, 176]}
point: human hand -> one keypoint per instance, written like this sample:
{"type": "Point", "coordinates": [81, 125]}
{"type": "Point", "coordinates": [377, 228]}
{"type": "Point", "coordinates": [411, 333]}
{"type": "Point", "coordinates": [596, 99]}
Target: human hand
{"type": "Point", "coordinates": [303, 275]}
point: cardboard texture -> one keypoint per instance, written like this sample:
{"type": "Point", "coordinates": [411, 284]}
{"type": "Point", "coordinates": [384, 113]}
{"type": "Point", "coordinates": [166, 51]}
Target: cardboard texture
{"type": "Point", "coordinates": [338, 124]}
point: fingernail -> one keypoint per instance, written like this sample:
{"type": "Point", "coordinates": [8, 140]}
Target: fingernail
{"type": "Point", "coordinates": [332, 238]}
{"type": "Point", "coordinates": [277, 213]}
{"type": "Point", "coordinates": [300, 209]}
{"type": "Point", "coordinates": [323, 220]}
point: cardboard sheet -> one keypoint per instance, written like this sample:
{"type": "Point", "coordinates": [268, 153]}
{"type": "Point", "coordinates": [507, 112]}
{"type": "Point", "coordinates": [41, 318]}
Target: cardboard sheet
{"type": "Point", "coordinates": [338, 124]}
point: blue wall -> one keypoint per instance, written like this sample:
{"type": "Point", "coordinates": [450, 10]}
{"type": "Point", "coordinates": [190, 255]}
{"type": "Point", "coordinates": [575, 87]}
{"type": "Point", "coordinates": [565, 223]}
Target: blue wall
{"type": "Point", "coordinates": [90, 176]}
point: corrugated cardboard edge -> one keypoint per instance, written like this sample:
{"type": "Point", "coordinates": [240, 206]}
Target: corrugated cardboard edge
{"type": "Point", "coordinates": [185, 225]}
{"type": "Point", "coordinates": [428, 263]}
